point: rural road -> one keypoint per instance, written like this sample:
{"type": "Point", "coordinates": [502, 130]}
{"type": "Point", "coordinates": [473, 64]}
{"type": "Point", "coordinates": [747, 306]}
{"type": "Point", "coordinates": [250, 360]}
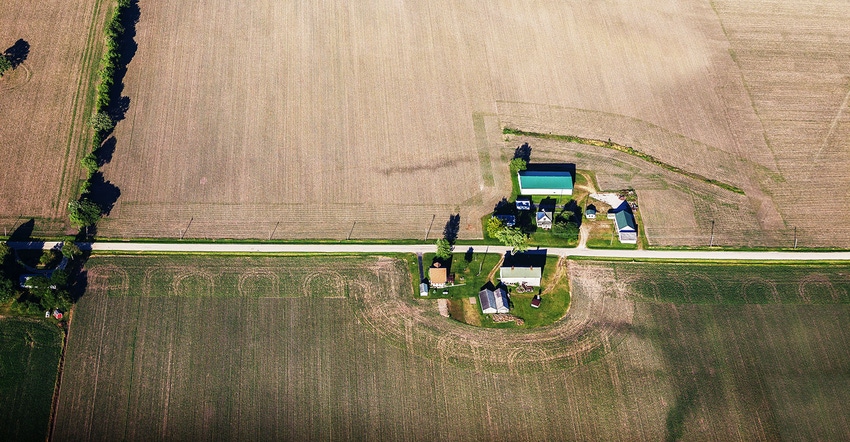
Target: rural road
{"type": "Point", "coordinates": [426, 248]}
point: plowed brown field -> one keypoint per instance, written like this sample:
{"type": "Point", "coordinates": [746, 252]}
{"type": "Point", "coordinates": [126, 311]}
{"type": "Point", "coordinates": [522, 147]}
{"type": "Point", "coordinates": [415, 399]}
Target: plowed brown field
{"type": "Point", "coordinates": [44, 104]}
{"type": "Point", "coordinates": [340, 118]}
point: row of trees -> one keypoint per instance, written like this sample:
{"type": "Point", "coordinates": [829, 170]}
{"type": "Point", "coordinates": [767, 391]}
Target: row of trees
{"type": "Point", "coordinates": [84, 211]}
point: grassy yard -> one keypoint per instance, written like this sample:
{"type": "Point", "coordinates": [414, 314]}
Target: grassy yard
{"type": "Point", "coordinates": [29, 359]}
{"type": "Point", "coordinates": [556, 297]}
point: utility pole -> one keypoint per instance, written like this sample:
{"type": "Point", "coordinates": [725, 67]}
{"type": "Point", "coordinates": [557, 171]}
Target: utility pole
{"type": "Point", "coordinates": [482, 260]}
{"type": "Point", "coordinates": [795, 237]}
{"type": "Point", "coordinates": [711, 241]}
{"type": "Point", "coordinates": [187, 227]}
{"type": "Point", "coordinates": [429, 226]}
{"type": "Point", "coordinates": [274, 230]}
{"type": "Point", "coordinates": [351, 231]}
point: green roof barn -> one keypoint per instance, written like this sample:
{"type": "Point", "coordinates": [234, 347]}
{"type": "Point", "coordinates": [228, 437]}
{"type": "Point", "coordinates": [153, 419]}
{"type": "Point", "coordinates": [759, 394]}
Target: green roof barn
{"type": "Point", "coordinates": [545, 182]}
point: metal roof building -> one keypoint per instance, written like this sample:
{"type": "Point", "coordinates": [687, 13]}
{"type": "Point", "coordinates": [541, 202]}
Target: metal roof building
{"type": "Point", "coordinates": [545, 182]}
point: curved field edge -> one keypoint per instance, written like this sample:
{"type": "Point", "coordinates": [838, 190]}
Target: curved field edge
{"type": "Point", "coordinates": [339, 353]}
{"type": "Point", "coordinates": [29, 361]}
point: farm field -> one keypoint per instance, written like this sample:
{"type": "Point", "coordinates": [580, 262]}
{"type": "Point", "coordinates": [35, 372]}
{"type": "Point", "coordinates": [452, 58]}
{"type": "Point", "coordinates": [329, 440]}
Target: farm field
{"type": "Point", "coordinates": [337, 120]}
{"type": "Point", "coordinates": [44, 104]}
{"type": "Point", "coordinates": [336, 347]}
{"type": "Point", "coordinates": [29, 360]}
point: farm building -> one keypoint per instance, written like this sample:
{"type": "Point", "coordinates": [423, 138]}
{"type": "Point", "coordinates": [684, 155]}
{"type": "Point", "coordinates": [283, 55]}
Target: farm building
{"type": "Point", "coordinates": [523, 203]}
{"type": "Point", "coordinates": [535, 302]}
{"type": "Point", "coordinates": [624, 220]}
{"type": "Point", "coordinates": [544, 220]}
{"type": "Point", "coordinates": [508, 220]}
{"type": "Point", "coordinates": [438, 275]}
{"type": "Point", "coordinates": [590, 212]}
{"type": "Point", "coordinates": [522, 268]}
{"type": "Point", "coordinates": [493, 299]}
{"type": "Point", "coordinates": [546, 214]}
{"type": "Point", "coordinates": [545, 182]}
{"type": "Point", "coordinates": [423, 289]}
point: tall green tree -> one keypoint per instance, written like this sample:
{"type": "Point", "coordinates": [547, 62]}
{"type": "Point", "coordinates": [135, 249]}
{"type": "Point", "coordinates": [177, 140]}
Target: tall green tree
{"type": "Point", "coordinates": [70, 250]}
{"type": "Point", "coordinates": [444, 248]}
{"type": "Point", "coordinates": [494, 226]}
{"type": "Point", "coordinates": [5, 64]}
{"type": "Point", "coordinates": [101, 122]}
{"type": "Point", "coordinates": [514, 238]}
{"type": "Point", "coordinates": [518, 164]}
{"type": "Point", "coordinates": [83, 213]}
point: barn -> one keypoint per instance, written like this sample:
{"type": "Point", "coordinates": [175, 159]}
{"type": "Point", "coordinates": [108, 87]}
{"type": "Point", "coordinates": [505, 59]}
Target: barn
{"type": "Point", "coordinates": [493, 299]}
{"type": "Point", "coordinates": [545, 182]}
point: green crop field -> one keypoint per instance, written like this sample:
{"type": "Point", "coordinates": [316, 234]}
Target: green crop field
{"type": "Point", "coordinates": [29, 357]}
{"type": "Point", "coordinates": [342, 348]}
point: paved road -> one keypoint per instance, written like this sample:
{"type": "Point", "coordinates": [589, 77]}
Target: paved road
{"type": "Point", "coordinates": [426, 248]}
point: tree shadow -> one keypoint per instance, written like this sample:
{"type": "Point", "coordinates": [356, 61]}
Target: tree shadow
{"type": "Point", "coordinates": [468, 255]}
{"type": "Point", "coordinates": [127, 47]}
{"type": "Point", "coordinates": [105, 151]}
{"type": "Point", "coordinates": [577, 215]}
{"type": "Point", "coordinates": [103, 193]}
{"type": "Point", "coordinates": [504, 207]}
{"type": "Point", "coordinates": [18, 52]}
{"type": "Point", "coordinates": [452, 228]}
{"type": "Point", "coordinates": [23, 233]}
{"type": "Point", "coordinates": [523, 152]}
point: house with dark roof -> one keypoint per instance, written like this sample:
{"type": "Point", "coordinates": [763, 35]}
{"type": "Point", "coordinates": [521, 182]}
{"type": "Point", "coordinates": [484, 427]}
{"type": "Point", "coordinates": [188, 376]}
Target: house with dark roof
{"type": "Point", "coordinates": [493, 299]}
{"type": "Point", "coordinates": [590, 212]}
{"type": "Point", "coordinates": [545, 182]}
{"type": "Point", "coordinates": [507, 220]}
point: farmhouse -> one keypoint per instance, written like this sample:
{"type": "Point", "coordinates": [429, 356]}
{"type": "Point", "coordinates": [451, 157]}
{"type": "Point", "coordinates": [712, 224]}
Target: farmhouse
{"type": "Point", "coordinates": [493, 299]}
{"type": "Point", "coordinates": [522, 268]}
{"type": "Point", "coordinates": [545, 182]}
{"type": "Point", "coordinates": [624, 220]}
{"type": "Point", "coordinates": [438, 275]}
{"type": "Point", "coordinates": [544, 220]}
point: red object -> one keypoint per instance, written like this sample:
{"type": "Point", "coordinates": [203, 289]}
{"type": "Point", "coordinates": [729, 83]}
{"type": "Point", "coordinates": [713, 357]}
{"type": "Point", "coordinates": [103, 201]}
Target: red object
{"type": "Point", "coordinates": [59, 316]}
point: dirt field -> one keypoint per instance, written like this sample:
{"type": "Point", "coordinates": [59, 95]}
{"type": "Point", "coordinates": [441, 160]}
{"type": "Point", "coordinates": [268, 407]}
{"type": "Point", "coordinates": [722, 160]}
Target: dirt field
{"type": "Point", "coordinates": [44, 103]}
{"type": "Point", "coordinates": [259, 348]}
{"type": "Point", "coordinates": [363, 120]}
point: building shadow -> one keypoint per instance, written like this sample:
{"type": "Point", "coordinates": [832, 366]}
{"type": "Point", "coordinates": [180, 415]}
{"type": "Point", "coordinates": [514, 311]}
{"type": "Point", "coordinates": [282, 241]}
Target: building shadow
{"type": "Point", "coordinates": [18, 52]}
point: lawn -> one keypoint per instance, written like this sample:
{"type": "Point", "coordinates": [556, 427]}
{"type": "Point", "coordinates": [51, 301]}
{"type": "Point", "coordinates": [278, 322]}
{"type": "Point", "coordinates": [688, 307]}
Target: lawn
{"type": "Point", "coordinates": [278, 347]}
{"type": "Point", "coordinates": [29, 360]}
{"type": "Point", "coordinates": [556, 299]}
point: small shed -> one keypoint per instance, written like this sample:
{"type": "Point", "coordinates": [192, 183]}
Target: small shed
{"type": "Point", "coordinates": [590, 212]}
{"type": "Point", "coordinates": [423, 289]}
{"type": "Point", "coordinates": [523, 203]}
{"type": "Point", "coordinates": [535, 301]}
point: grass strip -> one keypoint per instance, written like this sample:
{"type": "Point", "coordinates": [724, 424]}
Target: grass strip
{"type": "Point", "coordinates": [625, 149]}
